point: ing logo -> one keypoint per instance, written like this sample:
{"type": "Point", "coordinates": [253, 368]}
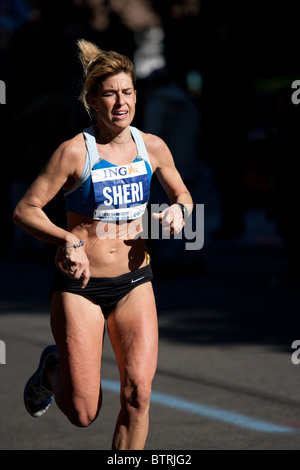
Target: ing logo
{"type": "Point", "coordinates": [132, 169]}
{"type": "Point", "coordinates": [2, 92]}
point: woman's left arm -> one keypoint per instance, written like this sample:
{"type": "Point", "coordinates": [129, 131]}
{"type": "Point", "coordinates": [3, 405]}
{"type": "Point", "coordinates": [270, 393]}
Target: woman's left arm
{"type": "Point", "coordinates": [163, 165]}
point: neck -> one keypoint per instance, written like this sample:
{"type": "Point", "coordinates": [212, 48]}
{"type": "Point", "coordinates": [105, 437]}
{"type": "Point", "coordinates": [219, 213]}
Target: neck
{"type": "Point", "coordinates": [122, 141]}
{"type": "Point", "coordinates": [121, 138]}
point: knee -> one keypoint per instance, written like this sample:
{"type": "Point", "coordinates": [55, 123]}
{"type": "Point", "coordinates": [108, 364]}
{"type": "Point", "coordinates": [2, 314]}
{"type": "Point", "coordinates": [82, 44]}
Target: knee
{"type": "Point", "coordinates": [83, 415]}
{"type": "Point", "coordinates": [81, 418]}
{"type": "Point", "coordinates": [136, 397]}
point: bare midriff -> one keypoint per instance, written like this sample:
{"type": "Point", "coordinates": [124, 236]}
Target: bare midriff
{"type": "Point", "coordinates": [113, 248]}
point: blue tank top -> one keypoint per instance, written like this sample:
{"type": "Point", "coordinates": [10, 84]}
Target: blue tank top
{"type": "Point", "coordinates": [109, 192]}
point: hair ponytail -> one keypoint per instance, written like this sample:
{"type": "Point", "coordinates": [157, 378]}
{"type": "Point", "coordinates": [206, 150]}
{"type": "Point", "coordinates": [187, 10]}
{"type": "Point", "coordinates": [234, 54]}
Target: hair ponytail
{"type": "Point", "coordinates": [88, 52]}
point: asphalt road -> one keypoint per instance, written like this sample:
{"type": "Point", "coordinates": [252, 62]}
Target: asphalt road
{"type": "Point", "coordinates": [225, 377]}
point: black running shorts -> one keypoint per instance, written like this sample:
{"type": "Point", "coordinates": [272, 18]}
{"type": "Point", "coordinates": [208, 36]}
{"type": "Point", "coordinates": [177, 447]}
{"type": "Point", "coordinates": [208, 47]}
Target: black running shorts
{"type": "Point", "coordinates": [104, 291]}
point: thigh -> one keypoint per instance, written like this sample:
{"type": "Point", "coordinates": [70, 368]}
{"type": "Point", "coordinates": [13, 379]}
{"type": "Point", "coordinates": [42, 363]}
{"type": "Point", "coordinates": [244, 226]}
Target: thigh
{"type": "Point", "coordinates": [78, 329]}
{"type": "Point", "coordinates": [133, 332]}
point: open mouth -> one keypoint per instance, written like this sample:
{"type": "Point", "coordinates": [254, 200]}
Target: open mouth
{"type": "Point", "coordinates": [120, 114]}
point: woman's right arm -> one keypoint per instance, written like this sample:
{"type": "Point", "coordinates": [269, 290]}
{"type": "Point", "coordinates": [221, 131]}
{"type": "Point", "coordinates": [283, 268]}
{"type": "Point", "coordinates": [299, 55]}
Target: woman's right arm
{"type": "Point", "coordinates": [29, 213]}
{"type": "Point", "coordinates": [61, 170]}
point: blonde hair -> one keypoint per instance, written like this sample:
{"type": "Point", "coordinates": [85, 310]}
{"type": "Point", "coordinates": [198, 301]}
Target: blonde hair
{"type": "Point", "coordinates": [97, 66]}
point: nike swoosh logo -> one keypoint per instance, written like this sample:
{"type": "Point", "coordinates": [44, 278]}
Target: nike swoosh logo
{"type": "Point", "coordinates": [136, 280]}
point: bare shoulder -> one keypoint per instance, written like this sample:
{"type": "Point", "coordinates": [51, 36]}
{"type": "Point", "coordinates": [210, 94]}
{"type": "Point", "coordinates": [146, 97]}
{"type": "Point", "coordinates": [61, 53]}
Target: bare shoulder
{"type": "Point", "coordinates": [157, 149]}
{"type": "Point", "coordinates": [153, 142]}
{"type": "Point", "coordinates": [73, 148]}
{"type": "Point", "coordinates": [66, 163]}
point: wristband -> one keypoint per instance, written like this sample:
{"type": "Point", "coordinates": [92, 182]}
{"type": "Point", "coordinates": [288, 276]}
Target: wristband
{"type": "Point", "coordinates": [76, 245]}
{"type": "Point", "coordinates": [183, 209]}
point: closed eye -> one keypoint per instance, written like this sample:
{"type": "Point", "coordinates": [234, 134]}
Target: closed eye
{"type": "Point", "coordinates": [113, 92]}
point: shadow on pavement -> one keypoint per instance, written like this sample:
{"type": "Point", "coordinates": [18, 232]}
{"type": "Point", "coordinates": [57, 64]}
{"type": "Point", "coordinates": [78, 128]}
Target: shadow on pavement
{"type": "Point", "coordinates": [230, 300]}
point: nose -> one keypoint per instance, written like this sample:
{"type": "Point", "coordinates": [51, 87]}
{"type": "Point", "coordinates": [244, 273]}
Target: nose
{"type": "Point", "coordinates": [120, 98]}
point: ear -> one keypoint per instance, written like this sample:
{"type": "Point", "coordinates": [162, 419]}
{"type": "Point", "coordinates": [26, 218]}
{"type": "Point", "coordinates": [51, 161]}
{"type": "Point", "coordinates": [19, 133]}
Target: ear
{"type": "Point", "coordinates": [92, 100]}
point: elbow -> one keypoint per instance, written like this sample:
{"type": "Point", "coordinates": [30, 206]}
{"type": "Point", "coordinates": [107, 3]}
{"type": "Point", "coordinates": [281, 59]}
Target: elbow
{"type": "Point", "coordinates": [17, 215]}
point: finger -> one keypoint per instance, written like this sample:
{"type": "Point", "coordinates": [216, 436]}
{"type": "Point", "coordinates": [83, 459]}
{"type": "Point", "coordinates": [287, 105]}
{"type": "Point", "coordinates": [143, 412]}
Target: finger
{"type": "Point", "coordinates": [166, 221]}
{"type": "Point", "coordinates": [85, 278]}
{"type": "Point", "coordinates": [72, 274]}
{"type": "Point", "coordinates": [157, 215]}
{"type": "Point", "coordinates": [167, 230]}
{"type": "Point", "coordinates": [167, 217]}
{"type": "Point", "coordinates": [76, 274]}
{"type": "Point", "coordinates": [179, 227]}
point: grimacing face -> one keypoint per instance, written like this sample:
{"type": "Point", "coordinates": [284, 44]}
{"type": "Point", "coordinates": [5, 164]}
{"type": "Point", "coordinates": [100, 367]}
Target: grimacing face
{"type": "Point", "coordinates": [115, 101]}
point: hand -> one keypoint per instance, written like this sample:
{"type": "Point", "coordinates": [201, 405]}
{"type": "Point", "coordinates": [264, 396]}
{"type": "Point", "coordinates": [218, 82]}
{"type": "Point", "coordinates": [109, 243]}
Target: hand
{"type": "Point", "coordinates": [74, 262]}
{"type": "Point", "coordinates": [171, 219]}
